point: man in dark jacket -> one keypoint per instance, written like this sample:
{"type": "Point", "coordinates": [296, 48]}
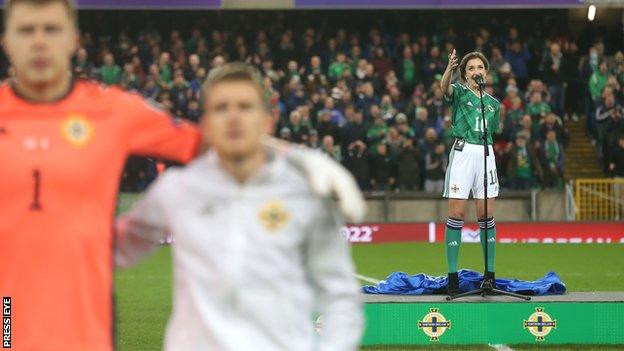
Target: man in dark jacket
{"type": "Point", "coordinates": [554, 71]}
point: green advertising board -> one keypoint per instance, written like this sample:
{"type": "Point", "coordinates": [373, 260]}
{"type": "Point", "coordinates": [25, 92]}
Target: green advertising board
{"type": "Point", "coordinates": [548, 322]}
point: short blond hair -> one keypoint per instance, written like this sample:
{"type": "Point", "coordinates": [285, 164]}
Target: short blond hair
{"type": "Point", "coordinates": [70, 6]}
{"type": "Point", "coordinates": [235, 71]}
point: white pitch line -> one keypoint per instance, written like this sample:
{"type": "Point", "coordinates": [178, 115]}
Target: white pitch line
{"type": "Point", "coordinates": [501, 347]}
{"type": "Point", "coordinates": [366, 279]}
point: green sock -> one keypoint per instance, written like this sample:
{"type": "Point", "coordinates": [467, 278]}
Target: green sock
{"type": "Point", "coordinates": [453, 240]}
{"type": "Point", "coordinates": [491, 241]}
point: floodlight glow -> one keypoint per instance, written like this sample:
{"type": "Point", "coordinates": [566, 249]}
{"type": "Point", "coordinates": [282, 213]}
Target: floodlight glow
{"type": "Point", "coordinates": [591, 12]}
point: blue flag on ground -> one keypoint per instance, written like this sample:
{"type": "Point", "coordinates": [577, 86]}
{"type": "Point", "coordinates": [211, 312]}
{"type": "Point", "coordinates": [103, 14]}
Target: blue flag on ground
{"type": "Point", "coordinates": [400, 283]}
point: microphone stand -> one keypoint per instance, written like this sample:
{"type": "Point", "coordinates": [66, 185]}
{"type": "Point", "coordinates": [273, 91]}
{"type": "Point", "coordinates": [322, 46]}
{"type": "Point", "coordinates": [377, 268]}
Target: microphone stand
{"type": "Point", "coordinates": [488, 287]}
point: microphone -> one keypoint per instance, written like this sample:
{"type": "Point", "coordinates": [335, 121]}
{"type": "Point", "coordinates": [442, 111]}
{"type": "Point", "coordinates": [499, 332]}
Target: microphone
{"type": "Point", "coordinates": [479, 80]}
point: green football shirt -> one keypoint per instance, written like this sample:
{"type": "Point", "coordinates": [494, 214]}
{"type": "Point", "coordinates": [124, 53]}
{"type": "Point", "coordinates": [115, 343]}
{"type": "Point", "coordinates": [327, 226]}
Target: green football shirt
{"type": "Point", "coordinates": [467, 121]}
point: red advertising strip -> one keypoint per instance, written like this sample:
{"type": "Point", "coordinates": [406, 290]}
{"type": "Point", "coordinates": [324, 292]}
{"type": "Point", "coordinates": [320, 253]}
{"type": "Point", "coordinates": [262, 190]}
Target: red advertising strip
{"type": "Point", "coordinates": [517, 232]}
{"type": "Point", "coordinates": [386, 232]}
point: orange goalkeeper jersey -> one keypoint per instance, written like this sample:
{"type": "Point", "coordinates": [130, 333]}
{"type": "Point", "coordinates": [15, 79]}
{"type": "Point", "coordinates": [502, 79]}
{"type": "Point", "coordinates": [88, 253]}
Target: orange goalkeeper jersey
{"type": "Point", "coordinates": [61, 165]}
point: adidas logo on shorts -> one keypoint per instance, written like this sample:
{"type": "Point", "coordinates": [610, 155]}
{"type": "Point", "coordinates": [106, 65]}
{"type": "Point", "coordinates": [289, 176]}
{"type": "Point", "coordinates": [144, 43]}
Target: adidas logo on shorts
{"type": "Point", "coordinates": [453, 243]}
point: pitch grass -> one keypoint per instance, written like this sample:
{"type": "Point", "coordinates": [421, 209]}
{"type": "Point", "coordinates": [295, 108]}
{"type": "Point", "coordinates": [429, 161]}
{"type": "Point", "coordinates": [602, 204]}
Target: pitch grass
{"type": "Point", "coordinates": [143, 292]}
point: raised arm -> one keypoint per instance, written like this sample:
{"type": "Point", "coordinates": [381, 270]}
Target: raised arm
{"type": "Point", "coordinates": [446, 86]}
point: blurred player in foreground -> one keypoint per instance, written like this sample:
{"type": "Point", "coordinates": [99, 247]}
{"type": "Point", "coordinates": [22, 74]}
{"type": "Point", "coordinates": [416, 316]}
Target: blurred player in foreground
{"type": "Point", "coordinates": [63, 144]}
{"type": "Point", "coordinates": [255, 250]}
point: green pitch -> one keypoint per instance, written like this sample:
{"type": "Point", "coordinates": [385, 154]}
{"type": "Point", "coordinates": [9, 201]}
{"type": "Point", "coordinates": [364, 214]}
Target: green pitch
{"type": "Point", "coordinates": [143, 293]}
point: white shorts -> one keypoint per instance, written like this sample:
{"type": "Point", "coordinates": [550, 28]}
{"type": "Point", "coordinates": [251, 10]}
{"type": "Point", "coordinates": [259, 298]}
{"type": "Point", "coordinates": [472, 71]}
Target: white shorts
{"type": "Point", "coordinates": [465, 173]}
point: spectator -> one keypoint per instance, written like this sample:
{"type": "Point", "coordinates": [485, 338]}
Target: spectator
{"type": "Point", "coordinates": [382, 169]}
{"type": "Point", "coordinates": [355, 130]}
{"type": "Point", "coordinates": [194, 64]}
{"type": "Point", "coordinates": [110, 73]}
{"type": "Point", "coordinates": [552, 160]}
{"type": "Point", "coordinates": [597, 82]}
{"type": "Point", "coordinates": [285, 134]}
{"type": "Point", "coordinates": [129, 79]}
{"type": "Point", "coordinates": [513, 117]}
{"type": "Point", "coordinates": [404, 129]}
{"type": "Point", "coordinates": [387, 110]}
{"type": "Point", "coordinates": [337, 117]}
{"type": "Point", "coordinates": [522, 164]}
{"type": "Point", "coordinates": [433, 65]}
{"type": "Point", "coordinates": [395, 142]}
{"type": "Point", "coordinates": [527, 129]}
{"type": "Point", "coordinates": [554, 71]}
{"type": "Point", "coordinates": [496, 60]}
{"type": "Point", "coordinates": [435, 168]}
{"type": "Point", "coordinates": [422, 123]}
{"type": "Point", "coordinates": [83, 68]}
{"type": "Point", "coordinates": [193, 113]}
{"type": "Point", "coordinates": [313, 139]}
{"type": "Point", "coordinates": [408, 71]}
{"type": "Point", "coordinates": [376, 132]}
{"type": "Point", "coordinates": [366, 99]}
{"type": "Point", "coordinates": [615, 87]}
{"type": "Point", "coordinates": [537, 108]}
{"type": "Point", "coordinates": [330, 149]}
{"type": "Point", "coordinates": [180, 93]}
{"type": "Point", "coordinates": [518, 57]}
{"type": "Point", "coordinates": [164, 67]}
{"type": "Point", "coordinates": [196, 82]}
{"type": "Point", "coordinates": [358, 161]}
{"type": "Point", "coordinates": [553, 122]}
{"type": "Point", "coordinates": [537, 85]}
{"type": "Point", "coordinates": [298, 128]}
{"type": "Point", "coordinates": [427, 145]}
{"type": "Point", "coordinates": [338, 66]}
{"type": "Point", "coordinates": [381, 63]}
{"type": "Point", "coordinates": [616, 164]}
{"type": "Point", "coordinates": [408, 163]}
{"type": "Point", "coordinates": [435, 105]}
{"type": "Point", "coordinates": [609, 110]}
{"type": "Point", "coordinates": [447, 132]}
{"type": "Point", "coordinates": [325, 125]}
{"type": "Point", "coordinates": [151, 90]}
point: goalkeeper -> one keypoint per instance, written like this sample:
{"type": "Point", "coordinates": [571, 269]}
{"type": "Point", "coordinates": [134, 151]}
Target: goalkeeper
{"type": "Point", "coordinates": [465, 170]}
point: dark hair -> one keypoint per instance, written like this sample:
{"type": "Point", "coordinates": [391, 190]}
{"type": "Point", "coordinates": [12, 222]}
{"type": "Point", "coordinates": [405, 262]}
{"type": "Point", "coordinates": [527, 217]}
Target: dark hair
{"type": "Point", "coordinates": [69, 6]}
{"type": "Point", "coordinates": [469, 56]}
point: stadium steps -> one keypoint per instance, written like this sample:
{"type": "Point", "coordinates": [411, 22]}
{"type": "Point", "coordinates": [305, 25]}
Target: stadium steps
{"type": "Point", "coordinates": [581, 159]}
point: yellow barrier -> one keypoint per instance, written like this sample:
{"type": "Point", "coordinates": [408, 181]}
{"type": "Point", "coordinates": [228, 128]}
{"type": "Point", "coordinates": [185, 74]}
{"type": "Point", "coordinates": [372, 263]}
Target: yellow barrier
{"type": "Point", "coordinates": [599, 199]}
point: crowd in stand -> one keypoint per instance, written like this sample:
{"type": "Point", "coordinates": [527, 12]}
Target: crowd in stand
{"type": "Point", "coordinates": [370, 96]}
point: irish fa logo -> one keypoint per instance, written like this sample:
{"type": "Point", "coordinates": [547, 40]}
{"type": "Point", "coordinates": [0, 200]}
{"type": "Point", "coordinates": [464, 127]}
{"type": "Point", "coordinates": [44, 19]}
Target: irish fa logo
{"type": "Point", "coordinates": [540, 324]}
{"type": "Point", "coordinates": [434, 324]}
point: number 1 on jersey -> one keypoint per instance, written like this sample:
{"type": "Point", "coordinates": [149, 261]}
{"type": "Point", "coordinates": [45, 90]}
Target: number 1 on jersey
{"type": "Point", "coordinates": [36, 205]}
{"type": "Point", "coordinates": [494, 177]}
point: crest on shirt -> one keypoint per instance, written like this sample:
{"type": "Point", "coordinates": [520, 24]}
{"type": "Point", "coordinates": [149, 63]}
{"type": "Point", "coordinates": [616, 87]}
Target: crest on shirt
{"type": "Point", "coordinates": [490, 108]}
{"type": "Point", "coordinates": [273, 215]}
{"type": "Point", "coordinates": [455, 188]}
{"type": "Point", "coordinates": [76, 130]}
